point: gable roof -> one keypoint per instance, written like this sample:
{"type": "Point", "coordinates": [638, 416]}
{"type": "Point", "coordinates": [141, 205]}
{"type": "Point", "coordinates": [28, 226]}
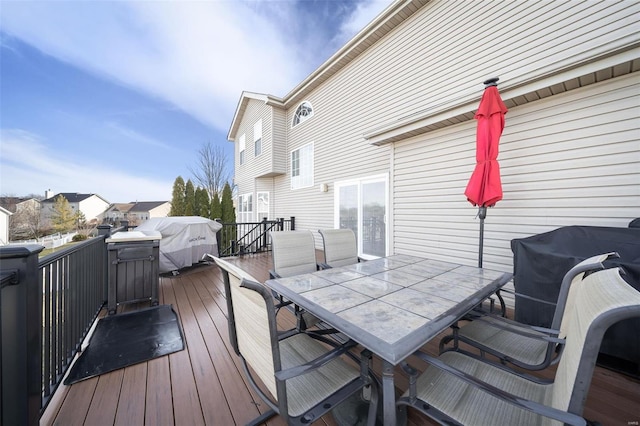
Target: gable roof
{"type": "Point", "coordinates": [121, 207]}
{"type": "Point", "coordinates": [73, 197]}
{"type": "Point", "coordinates": [146, 206]}
{"type": "Point", "coordinates": [242, 106]}
{"type": "Point", "coordinates": [384, 23]}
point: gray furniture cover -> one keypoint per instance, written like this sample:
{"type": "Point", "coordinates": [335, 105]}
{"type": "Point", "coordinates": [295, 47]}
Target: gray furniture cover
{"type": "Point", "coordinates": [540, 262]}
{"type": "Point", "coordinates": [185, 239]}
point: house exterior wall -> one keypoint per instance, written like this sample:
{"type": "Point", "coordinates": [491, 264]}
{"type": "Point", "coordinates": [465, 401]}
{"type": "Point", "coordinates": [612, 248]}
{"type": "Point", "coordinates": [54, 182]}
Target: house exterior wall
{"type": "Point", "coordinates": [570, 159]}
{"type": "Point", "coordinates": [31, 204]}
{"type": "Point", "coordinates": [93, 207]}
{"type": "Point", "coordinates": [256, 173]}
{"type": "Point", "coordinates": [161, 211]}
{"type": "Point", "coordinates": [427, 72]}
{"type": "Point", "coordinates": [4, 226]}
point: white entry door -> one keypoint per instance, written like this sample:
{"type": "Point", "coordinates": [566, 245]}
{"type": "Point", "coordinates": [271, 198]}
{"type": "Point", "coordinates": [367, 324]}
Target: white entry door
{"type": "Point", "coordinates": [361, 205]}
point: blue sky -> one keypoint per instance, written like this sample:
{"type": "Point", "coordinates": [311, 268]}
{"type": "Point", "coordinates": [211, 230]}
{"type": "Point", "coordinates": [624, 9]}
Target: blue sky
{"type": "Point", "coordinates": [117, 97]}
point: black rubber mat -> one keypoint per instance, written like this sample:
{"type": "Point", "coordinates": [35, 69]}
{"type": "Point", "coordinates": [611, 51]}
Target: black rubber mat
{"type": "Point", "coordinates": [126, 339]}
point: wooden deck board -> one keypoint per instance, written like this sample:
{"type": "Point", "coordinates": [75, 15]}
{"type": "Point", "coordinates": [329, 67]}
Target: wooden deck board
{"type": "Point", "coordinates": [102, 410]}
{"type": "Point", "coordinates": [204, 384]}
{"type": "Point", "coordinates": [131, 404]}
{"type": "Point", "coordinates": [158, 408]}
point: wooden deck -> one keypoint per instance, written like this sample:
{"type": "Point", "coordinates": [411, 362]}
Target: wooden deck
{"type": "Point", "coordinates": [204, 384]}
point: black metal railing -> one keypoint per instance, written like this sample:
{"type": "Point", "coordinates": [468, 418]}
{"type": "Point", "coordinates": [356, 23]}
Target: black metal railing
{"type": "Point", "coordinates": [237, 239]}
{"type": "Point", "coordinates": [47, 306]}
{"type": "Point", "coordinates": [73, 284]}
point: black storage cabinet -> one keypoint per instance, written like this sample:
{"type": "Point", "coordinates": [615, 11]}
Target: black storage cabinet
{"type": "Point", "coordinates": [540, 262]}
{"type": "Point", "coordinates": [133, 269]}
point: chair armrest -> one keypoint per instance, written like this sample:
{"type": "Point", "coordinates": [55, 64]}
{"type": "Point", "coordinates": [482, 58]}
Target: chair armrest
{"type": "Point", "coordinates": [524, 296]}
{"type": "Point", "coordinates": [515, 326]}
{"type": "Point", "coordinates": [523, 330]}
{"type": "Point", "coordinates": [316, 363]}
{"type": "Point", "coordinates": [541, 409]}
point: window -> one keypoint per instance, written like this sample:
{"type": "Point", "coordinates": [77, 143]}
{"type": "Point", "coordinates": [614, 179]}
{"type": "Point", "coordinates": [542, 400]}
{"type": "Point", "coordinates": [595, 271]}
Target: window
{"type": "Point", "coordinates": [257, 137]}
{"type": "Point", "coordinates": [241, 148]}
{"type": "Point", "coordinates": [262, 207]}
{"type": "Point", "coordinates": [245, 208]}
{"type": "Point", "coordinates": [303, 113]}
{"type": "Point", "coordinates": [302, 167]}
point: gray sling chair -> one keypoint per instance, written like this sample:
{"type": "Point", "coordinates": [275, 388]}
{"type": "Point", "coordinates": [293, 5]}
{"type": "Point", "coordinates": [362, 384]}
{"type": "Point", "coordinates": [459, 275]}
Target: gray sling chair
{"type": "Point", "coordinates": [526, 346]}
{"type": "Point", "coordinates": [340, 247]}
{"type": "Point", "coordinates": [304, 374]}
{"type": "Point", "coordinates": [294, 253]}
{"type": "Point", "coordinates": [458, 389]}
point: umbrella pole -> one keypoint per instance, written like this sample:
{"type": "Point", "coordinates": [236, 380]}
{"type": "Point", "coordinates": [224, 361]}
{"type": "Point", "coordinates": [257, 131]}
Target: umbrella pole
{"type": "Point", "coordinates": [482, 214]}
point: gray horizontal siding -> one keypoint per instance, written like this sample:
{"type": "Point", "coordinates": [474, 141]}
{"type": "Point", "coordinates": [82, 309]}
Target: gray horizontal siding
{"type": "Point", "coordinates": [573, 159]}
{"type": "Point", "coordinates": [437, 59]}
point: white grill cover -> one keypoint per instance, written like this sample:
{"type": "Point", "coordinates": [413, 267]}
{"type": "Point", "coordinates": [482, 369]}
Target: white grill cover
{"type": "Point", "coordinates": [185, 239]}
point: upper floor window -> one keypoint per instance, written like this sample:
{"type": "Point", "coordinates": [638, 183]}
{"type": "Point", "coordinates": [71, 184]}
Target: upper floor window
{"type": "Point", "coordinates": [302, 167]}
{"type": "Point", "coordinates": [241, 148]}
{"type": "Point", "coordinates": [257, 137]}
{"type": "Point", "coordinates": [303, 112]}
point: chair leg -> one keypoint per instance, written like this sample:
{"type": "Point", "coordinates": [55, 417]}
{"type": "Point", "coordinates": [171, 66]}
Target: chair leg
{"type": "Point", "coordinates": [373, 406]}
{"type": "Point", "coordinates": [262, 418]}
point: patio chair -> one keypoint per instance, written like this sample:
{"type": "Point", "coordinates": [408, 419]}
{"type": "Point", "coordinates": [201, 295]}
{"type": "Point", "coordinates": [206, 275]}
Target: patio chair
{"type": "Point", "coordinates": [303, 374]}
{"type": "Point", "coordinates": [526, 346]}
{"type": "Point", "coordinates": [458, 389]}
{"type": "Point", "coordinates": [340, 247]}
{"type": "Point", "coordinates": [294, 253]}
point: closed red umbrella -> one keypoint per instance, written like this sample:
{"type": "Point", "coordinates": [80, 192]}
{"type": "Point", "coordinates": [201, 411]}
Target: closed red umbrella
{"type": "Point", "coordinates": [485, 188]}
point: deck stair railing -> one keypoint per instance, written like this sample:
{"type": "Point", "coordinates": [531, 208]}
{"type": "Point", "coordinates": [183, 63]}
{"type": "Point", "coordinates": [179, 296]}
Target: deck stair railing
{"type": "Point", "coordinates": [237, 239]}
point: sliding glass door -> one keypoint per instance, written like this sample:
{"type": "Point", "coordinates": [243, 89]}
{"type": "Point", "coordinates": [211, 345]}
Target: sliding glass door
{"type": "Point", "coordinates": [361, 205]}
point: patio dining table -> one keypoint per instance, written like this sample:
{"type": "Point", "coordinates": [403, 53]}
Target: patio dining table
{"type": "Point", "coordinates": [392, 305]}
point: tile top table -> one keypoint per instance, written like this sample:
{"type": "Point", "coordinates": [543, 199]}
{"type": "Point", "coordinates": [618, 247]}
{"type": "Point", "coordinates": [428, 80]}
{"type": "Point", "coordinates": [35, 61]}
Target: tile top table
{"type": "Point", "coordinates": [392, 305]}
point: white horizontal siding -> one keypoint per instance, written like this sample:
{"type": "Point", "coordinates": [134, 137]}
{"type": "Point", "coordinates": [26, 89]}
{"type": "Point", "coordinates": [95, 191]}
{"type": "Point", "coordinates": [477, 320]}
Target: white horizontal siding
{"type": "Point", "coordinates": [279, 140]}
{"type": "Point", "coordinates": [572, 159]}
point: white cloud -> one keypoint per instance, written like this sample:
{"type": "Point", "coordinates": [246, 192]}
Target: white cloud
{"type": "Point", "coordinates": [28, 166]}
{"type": "Point", "coordinates": [132, 135]}
{"type": "Point", "coordinates": [196, 55]}
{"type": "Point", "coordinates": [361, 16]}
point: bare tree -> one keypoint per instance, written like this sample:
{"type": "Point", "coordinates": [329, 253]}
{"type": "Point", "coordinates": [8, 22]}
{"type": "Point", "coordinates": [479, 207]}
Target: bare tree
{"type": "Point", "coordinates": [211, 172]}
{"type": "Point", "coordinates": [26, 222]}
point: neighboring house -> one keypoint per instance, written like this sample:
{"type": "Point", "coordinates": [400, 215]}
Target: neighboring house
{"type": "Point", "coordinates": [144, 210]}
{"type": "Point", "coordinates": [25, 219]}
{"type": "Point", "coordinates": [19, 204]}
{"type": "Point", "coordinates": [91, 205]}
{"type": "Point", "coordinates": [381, 137]}
{"type": "Point", "coordinates": [137, 212]}
{"type": "Point", "coordinates": [4, 226]}
{"type": "Point", "coordinates": [117, 211]}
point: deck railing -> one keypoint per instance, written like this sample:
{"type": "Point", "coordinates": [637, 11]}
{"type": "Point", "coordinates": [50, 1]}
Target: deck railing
{"type": "Point", "coordinates": [236, 239]}
{"type": "Point", "coordinates": [47, 306]}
